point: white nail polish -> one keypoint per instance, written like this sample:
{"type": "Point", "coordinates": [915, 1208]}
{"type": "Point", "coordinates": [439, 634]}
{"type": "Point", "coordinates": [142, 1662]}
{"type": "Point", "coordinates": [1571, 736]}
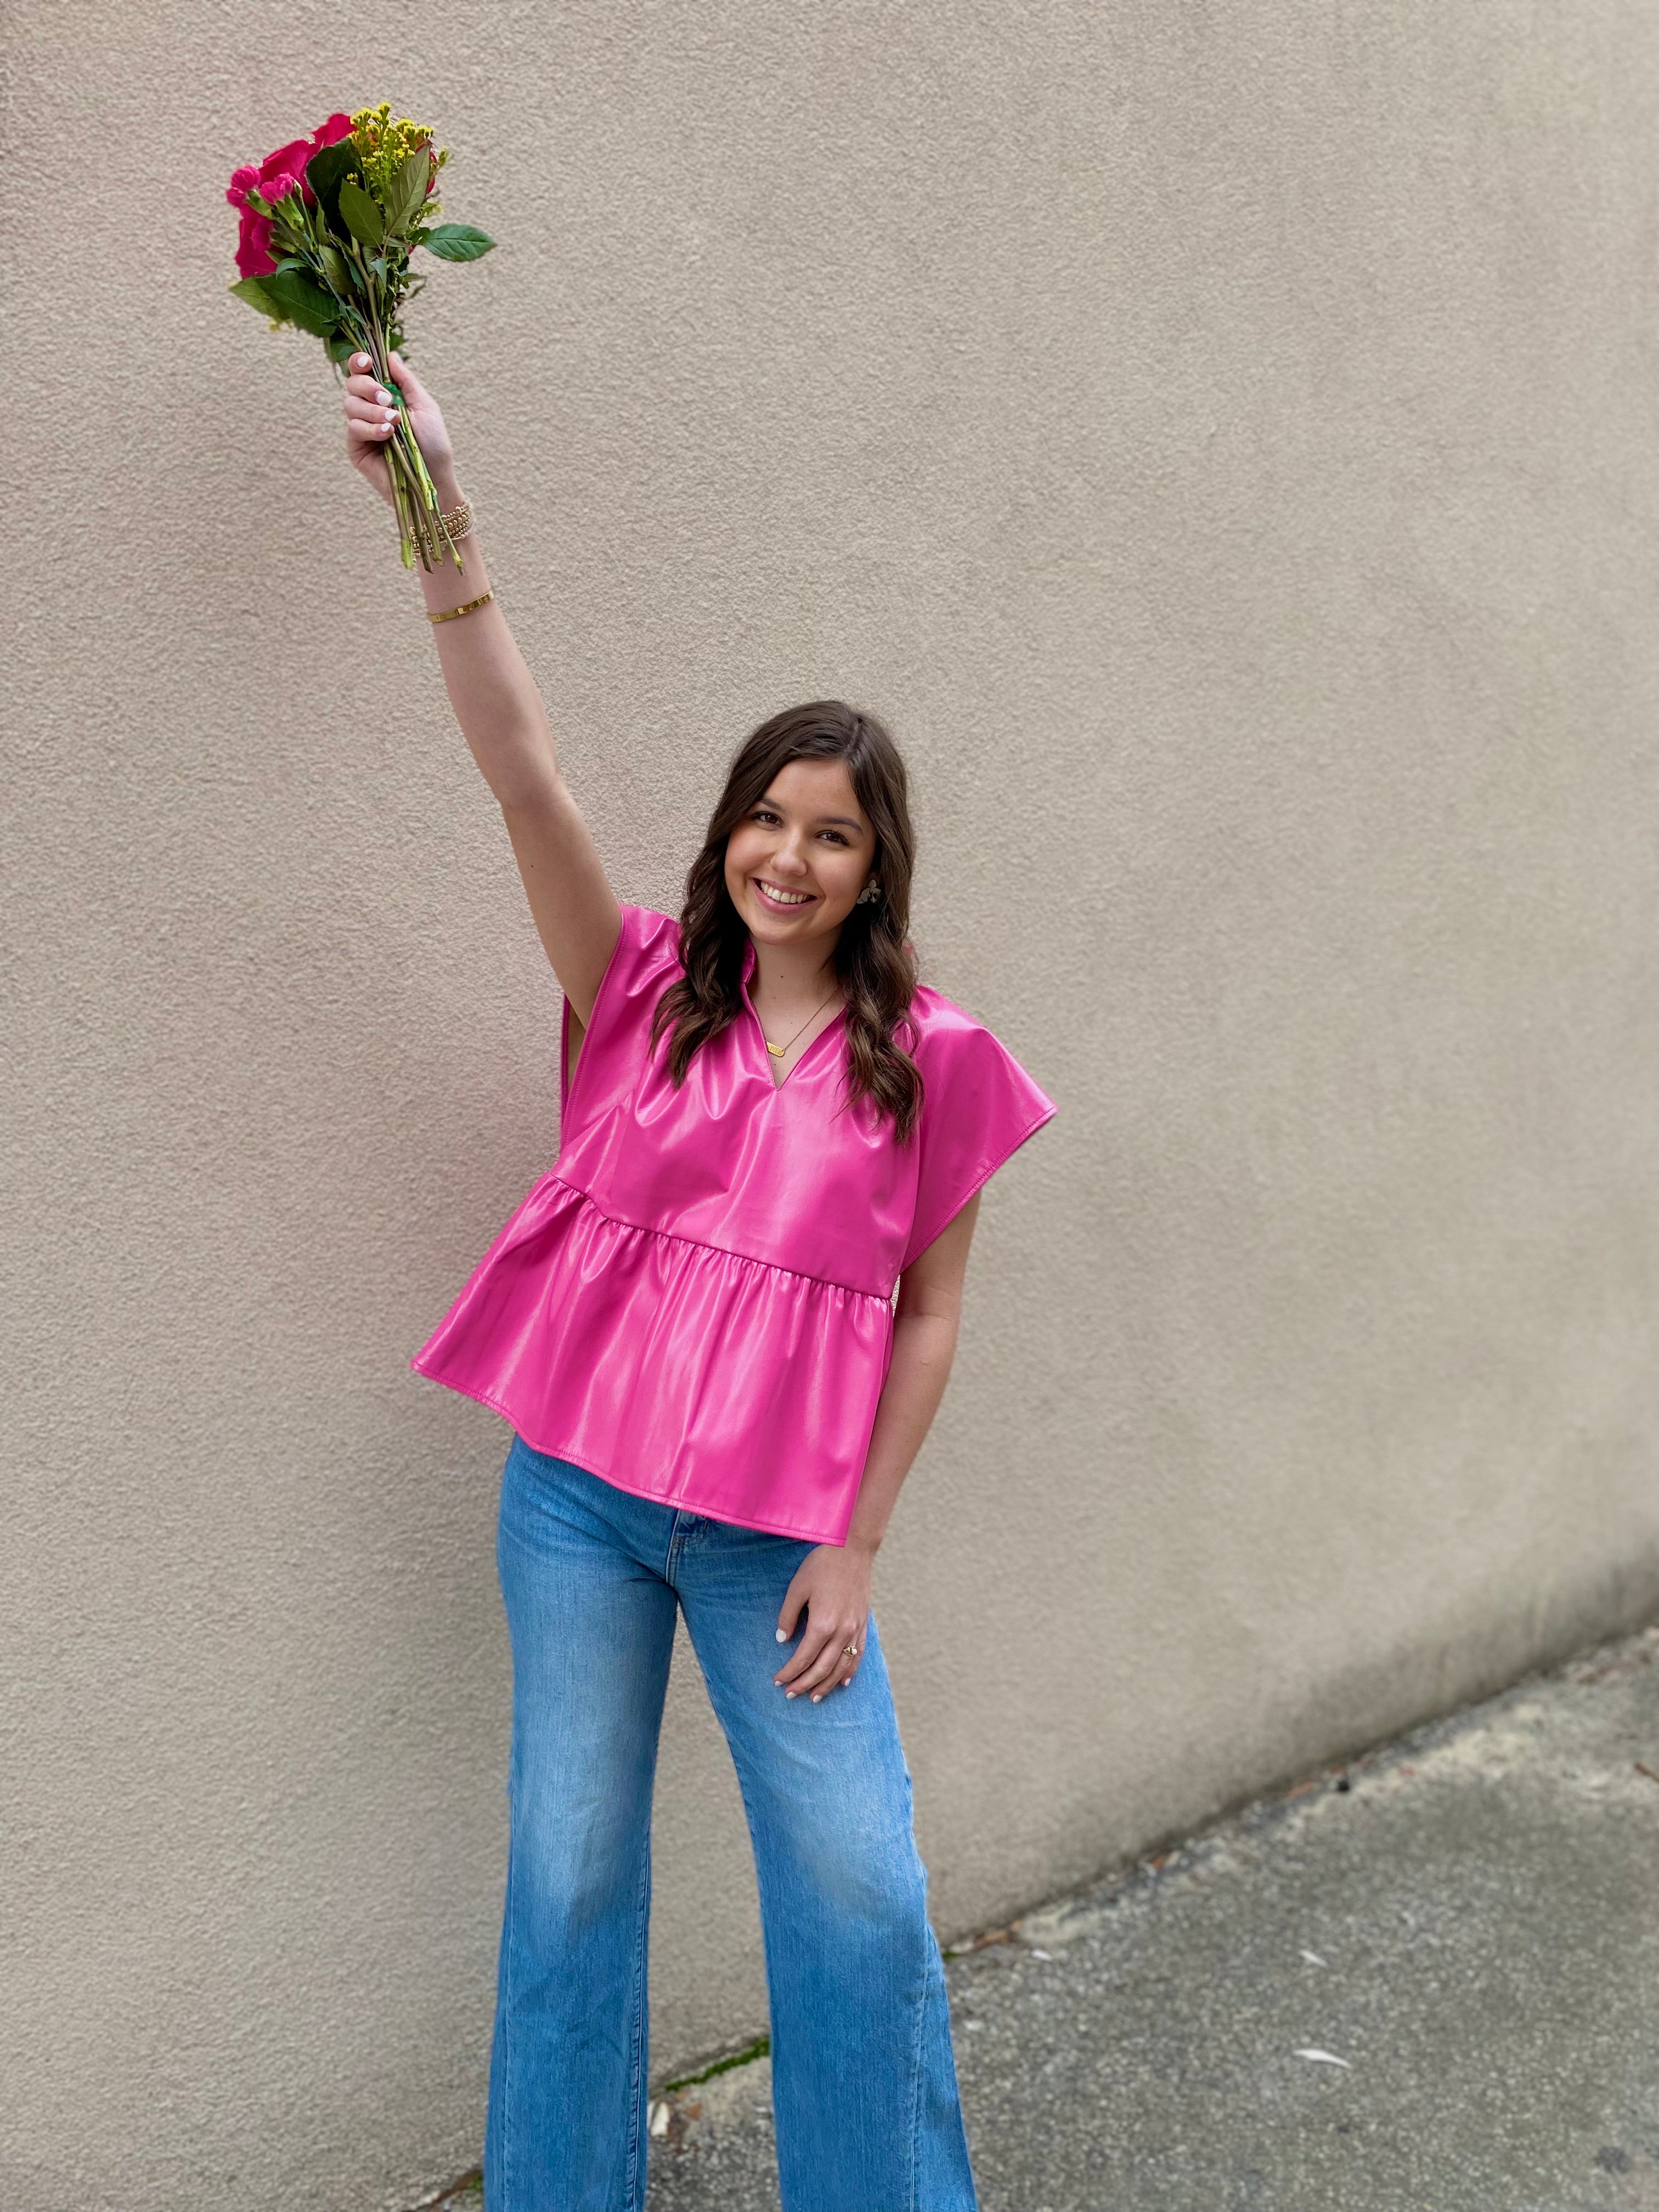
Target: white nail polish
{"type": "Point", "coordinates": [783, 1635]}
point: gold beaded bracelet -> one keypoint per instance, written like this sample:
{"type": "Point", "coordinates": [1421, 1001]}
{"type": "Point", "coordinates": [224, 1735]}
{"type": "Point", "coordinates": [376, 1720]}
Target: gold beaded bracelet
{"type": "Point", "coordinates": [450, 613]}
{"type": "Point", "coordinates": [438, 532]}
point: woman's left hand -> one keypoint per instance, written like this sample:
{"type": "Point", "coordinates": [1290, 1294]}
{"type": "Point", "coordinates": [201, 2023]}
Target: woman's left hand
{"type": "Point", "coordinates": [833, 1584]}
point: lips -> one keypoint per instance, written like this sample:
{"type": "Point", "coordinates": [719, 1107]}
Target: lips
{"type": "Point", "coordinates": [795, 902]}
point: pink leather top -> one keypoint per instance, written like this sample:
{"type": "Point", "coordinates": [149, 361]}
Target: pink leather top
{"type": "Point", "coordinates": [695, 1303]}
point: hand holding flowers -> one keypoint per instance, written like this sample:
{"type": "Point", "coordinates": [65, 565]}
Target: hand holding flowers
{"type": "Point", "coordinates": [373, 412]}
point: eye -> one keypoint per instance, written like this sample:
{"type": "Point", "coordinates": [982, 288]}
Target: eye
{"type": "Point", "coordinates": [837, 835]}
{"type": "Point", "coordinates": [763, 814]}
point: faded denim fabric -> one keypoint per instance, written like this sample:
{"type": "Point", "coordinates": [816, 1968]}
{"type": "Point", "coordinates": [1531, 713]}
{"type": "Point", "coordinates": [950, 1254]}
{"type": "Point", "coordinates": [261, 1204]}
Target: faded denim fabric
{"type": "Point", "coordinates": [864, 2079]}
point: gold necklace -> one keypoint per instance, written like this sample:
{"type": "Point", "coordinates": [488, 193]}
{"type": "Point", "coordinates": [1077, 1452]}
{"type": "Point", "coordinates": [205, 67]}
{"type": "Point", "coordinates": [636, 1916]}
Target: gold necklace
{"type": "Point", "coordinates": [777, 1051]}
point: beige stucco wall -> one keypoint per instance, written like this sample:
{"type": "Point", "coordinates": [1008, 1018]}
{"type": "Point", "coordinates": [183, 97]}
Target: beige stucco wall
{"type": "Point", "coordinates": [1221, 441]}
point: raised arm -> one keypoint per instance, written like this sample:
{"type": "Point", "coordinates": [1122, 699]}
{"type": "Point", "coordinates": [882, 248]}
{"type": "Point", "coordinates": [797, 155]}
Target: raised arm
{"type": "Point", "coordinates": [497, 705]}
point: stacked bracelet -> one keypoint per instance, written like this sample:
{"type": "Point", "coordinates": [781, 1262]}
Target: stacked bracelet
{"type": "Point", "coordinates": [448, 614]}
{"type": "Point", "coordinates": [438, 530]}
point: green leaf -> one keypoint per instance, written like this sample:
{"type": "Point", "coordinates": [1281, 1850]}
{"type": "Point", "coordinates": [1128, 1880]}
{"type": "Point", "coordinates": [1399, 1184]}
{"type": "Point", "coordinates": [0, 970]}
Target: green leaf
{"type": "Point", "coordinates": [341, 348]}
{"type": "Point", "coordinates": [325, 172]}
{"type": "Point", "coordinates": [303, 302]}
{"type": "Point", "coordinates": [253, 290]}
{"type": "Point", "coordinates": [408, 194]}
{"type": "Point", "coordinates": [329, 164]}
{"type": "Point", "coordinates": [335, 269]}
{"type": "Point", "coordinates": [458, 241]}
{"type": "Point", "coordinates": [359, 213]}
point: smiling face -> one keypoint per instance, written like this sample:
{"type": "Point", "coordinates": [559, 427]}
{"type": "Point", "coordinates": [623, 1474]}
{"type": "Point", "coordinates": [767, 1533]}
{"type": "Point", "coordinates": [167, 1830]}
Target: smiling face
{"type": "Point", "coordinates": [799, 859]}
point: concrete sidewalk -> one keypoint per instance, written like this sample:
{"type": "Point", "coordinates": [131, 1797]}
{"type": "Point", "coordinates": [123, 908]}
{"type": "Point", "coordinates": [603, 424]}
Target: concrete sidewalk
{"type": "Point", "coordinates": [1424, 1982]}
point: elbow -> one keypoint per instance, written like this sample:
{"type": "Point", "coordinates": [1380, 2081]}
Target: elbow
{"type": "Point", "coordinates": [529, 789]}
{"type": "Point", "coordinates": [935, 1323]}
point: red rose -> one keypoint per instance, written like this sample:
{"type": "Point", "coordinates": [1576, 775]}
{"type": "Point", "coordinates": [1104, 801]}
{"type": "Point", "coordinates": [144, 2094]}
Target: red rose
{"type": "Point", "coordinates": [331, 133]}
{"type": "Point", "coordinates": [282, 168]}
{"type": "Point", "coordinates": [287, 161]}
{"type": "Point", "coordinates": [254, 244]}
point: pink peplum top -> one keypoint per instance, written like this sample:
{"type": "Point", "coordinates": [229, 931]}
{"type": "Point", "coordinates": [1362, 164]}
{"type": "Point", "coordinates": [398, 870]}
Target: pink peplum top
{"type": "Point", "coordinates": [695, 1302]}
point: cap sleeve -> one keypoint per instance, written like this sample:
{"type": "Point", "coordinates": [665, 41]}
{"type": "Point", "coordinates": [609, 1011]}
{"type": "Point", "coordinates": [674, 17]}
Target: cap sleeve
{"type": "Point", "coordinates": [643, 962]}
{"type": "Point", "coordinates": [979, 1106]}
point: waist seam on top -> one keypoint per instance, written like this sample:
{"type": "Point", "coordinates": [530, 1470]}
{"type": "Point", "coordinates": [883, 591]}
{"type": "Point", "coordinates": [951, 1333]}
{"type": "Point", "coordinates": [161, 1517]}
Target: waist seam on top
{"type": "Point", "coordinates": [724, 1251]}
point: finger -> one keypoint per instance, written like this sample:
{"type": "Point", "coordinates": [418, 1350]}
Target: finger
{"type": "Point", "coordinates": [805, 1656]}
{"type": "Point", "coordinates": [790, 1615]}
{"type": "Point", "coordinates": [368, 415]}
{"type": "Point", "coordinates": [403, 376]}
{"type": "Point", "coordinates": [850, 1659]}
{"type": "Point", "coordinates": [362, 378]}
{"type": "Point", "coordinates": [374, 432]}
{"type": "Point", "coordinates": [816, 1661]}
{"type": "Point", "coordinates": [820, 1679]}
{"type": "Point", "coordinates": [370, 387]}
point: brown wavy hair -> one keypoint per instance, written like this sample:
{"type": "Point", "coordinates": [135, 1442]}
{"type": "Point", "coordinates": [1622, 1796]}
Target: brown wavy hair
{"type": "Point", "coordinates": [875, 962]}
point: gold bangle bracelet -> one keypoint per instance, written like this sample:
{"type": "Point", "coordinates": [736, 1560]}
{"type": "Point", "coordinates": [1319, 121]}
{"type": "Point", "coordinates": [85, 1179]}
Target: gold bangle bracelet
{"type": "Point", "coordinates": [450, 613]}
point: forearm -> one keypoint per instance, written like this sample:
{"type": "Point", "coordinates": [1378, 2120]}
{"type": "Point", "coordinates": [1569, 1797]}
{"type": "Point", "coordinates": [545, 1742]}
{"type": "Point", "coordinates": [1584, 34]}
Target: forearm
{"type": "Point", "coordinates": [490, 687]}
{"type": "Point", "coordinates": [924, 1346]}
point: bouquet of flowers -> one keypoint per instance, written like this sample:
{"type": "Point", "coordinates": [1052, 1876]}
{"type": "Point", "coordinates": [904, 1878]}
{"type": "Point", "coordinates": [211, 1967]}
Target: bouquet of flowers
{"type": "Point", "coordinates": [328, 225]}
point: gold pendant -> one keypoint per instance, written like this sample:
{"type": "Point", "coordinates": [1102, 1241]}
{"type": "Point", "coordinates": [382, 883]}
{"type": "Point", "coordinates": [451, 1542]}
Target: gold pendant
{"type": "Point", "coordinates": [777, 1051]}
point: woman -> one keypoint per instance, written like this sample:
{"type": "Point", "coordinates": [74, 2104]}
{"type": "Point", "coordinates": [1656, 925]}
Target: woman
{"type": "Point", "coordinates": [768, 1129]}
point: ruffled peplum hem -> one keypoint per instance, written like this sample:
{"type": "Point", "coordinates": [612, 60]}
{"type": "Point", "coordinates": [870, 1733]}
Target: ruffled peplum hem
{"type": "Point", "coordinates": [674, 1370]}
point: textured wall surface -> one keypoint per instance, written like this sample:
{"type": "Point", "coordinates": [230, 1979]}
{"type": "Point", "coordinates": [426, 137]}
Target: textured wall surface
{"type": "Point", "coordinates": [1221, 441]}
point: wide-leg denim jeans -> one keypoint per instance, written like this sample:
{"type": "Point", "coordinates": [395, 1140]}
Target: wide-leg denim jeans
{"type": "Point", "coordinates": [864, 2085]}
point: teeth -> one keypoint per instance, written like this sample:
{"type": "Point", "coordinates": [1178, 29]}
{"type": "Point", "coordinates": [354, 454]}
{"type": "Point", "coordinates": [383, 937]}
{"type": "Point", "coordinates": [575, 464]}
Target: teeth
{"type": "Point", "coordinates": [782, 898]}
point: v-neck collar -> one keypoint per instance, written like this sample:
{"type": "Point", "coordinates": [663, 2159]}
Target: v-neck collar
{"type": "Point", "coordinates": [750, 962]}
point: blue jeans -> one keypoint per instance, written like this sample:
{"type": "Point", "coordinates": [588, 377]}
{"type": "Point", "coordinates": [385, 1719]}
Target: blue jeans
{"type": "Point", "coordinates": [864, 2084]}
